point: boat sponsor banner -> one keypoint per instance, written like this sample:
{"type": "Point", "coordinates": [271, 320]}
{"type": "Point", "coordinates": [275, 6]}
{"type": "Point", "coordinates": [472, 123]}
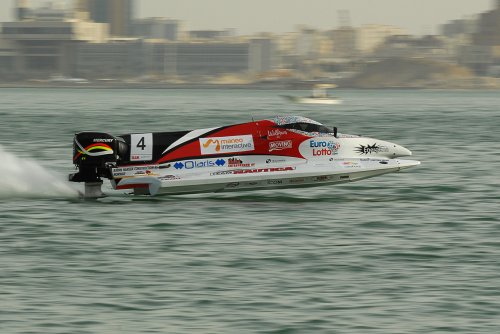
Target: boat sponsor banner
{"type": "Point", "coordinates": [235, 162]}
{"type": "Point", "coordinates": [199, 163]}
{"type": "Point", "coordinates": [254, 171]}
{"type": "Point", "coordinates": [371, 149]}
{"type": "Point", "coordinates": [319, 148]}
{"type": "Point", "coordinates": [280, 145]}
{"type": "Point", "coordinates": [217, 145]}
{"type": "Point", "coordinates": [276, 133]}
{"type": "Point", "coordinates": [151, 170]}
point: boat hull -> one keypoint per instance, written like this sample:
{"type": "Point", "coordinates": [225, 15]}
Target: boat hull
{"type": "Point", "coordinates": [285, 176]}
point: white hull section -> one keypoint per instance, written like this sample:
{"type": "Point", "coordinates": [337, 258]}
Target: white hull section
{"type": "Point", "coordinates": [270, 176]}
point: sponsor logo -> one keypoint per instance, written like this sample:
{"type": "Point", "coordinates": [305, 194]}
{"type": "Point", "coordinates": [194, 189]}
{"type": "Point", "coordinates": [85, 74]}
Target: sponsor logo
{"type": "Point", "coordinates": [371, 149]}
{"type": "Point", "coordinates": [280, 145]}
{"type": "Point", "coordinates": [350, 164]}
{"type": "Point", "coordinates": [274, 181]}
{"type": "Point", "coordinates": [276, 133]}
{"type": "Point", "coordinates": [169, 177]}
{"type": "Point", "coordinates": [135, 168]}
{"type": "Point", "coordinates": [298, 180]}
{"type": "Point", "coordinates": [192, 164]}
{"type": "Point", "coordinates": [232, 185]}
{"type": "Point", "coordinates": [225, 172]}
{"type": "Point", "coordinates": [226, 144]}
{"type": "Point", "coordinates": [324, 147]}
{"type": "Point", "coordinates": [274, 161]}
{"type": "Point", "coordinates": [322, 178]}
{"type": "Point", "coordinates": [102, 140]}
{"type": "Point", "coordinates": [233, 162]}
{"type": "Point", "coordinates": [264, 170]}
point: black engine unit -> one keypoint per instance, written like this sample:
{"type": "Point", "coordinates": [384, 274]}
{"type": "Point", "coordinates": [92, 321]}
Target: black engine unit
{"type": "Point", "coordinates": [94, 153]}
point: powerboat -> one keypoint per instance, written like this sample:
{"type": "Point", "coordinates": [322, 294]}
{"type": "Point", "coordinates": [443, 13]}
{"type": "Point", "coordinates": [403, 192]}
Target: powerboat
{"type": "Point", "coordinates": [282, 152]}
{"type": "Point", "coordinates": [319, 96]}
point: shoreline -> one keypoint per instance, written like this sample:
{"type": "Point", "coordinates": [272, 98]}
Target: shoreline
{"type": "Point", "coordinates": [254, 86]}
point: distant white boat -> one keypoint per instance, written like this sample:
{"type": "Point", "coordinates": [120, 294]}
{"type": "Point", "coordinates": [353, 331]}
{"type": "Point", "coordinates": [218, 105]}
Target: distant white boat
{"type": "Point", "coordinates": [60, 78]}
{"type": "Point", "coordinates": [319, 96]}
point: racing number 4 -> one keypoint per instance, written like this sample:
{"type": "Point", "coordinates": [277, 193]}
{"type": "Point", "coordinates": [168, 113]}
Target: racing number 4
{"type": "Point", "coordinates": [141, 144]}
{"type": "Point", "coordinates": [141, 147]}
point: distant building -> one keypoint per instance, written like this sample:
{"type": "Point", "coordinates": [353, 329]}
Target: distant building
{"type": "Point", "coordinates": [118, 58]}
{"type": "Point", "coordinates": [156, 28]}
{"type": "Point", "coordinates": [261, 55]}
{"type": "Point", "coordinates": [8, 56]}
{"type": "Point", "coordinates": [210, 34]}
{"type": "Point", "coordinates": [407, 46]}
{"type": "Point", "coordinates": [489, 28]}
{"type": "Point", "coordinates": [209, 58]}
{"type": "Point", "coordinates": [22, 10]}
{"type": "Point", "coordinates": [483, 54]}
{"type": "Point", "coordinates": [370, 36]}
{"type": "Point", "coordinates": [307, 44]}
{"type": "Point", "coordinates": [46, 47]}
{"type": "Point", "coordinates": [117, 13]}
{"type": "Point", "coordinates": [467, 26]}
{"type": "Point", "coordinates": [344, 42]}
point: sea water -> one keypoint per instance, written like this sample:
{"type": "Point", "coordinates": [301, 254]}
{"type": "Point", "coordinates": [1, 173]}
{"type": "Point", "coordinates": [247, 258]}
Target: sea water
{"type": "Point", "coordinates": [411, 252]}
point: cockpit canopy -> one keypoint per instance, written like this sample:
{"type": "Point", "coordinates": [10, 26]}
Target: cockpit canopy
{"type": "Point", "coordinates": [302, 124]}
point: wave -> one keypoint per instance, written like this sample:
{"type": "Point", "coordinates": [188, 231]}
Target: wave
{"type": "Point", "coordinates": [22, 178]}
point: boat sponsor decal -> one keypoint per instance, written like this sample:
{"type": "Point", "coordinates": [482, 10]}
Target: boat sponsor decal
{"type": "Point", "coordinates": [280, 145]}
{"type": "Point", "coordinates": [371, 149]}
{"type": "Point", "coordinates": [253, 171]}
{"type": "Point", "coordinates": [232, 185]}
{"type": "Point", "coordinates": [322, 178]}
{"type": "Point", "coordinates": [192, 164]}
{"type": "Point", "coordinates": [233, 162]}
{"type": "Point", "coordinates": [380, 161]}
{"type": "Point", "coordinates": [297, 180]}
{"type": "Point", "coordinates": [168, 178]}
{"type": "Point", "coordinates": [264, 170]}
{"type": "Point", "coordinates": [222, 172]}
{"type": "Point", "coordinates": [350, 164]}
{"type": "Point", "coordinates": [274, 181]}
{"type": "Point", "coordinates": [103, 140]}
{"type": "Point", "coordinates": [215, 145]}
{"type": "Point", "coordinates": [141, 147]}
{"type": "Point", "coordinates": [102, 149]}
{"type": "Point", "coordinates": [324, 147]}
{"type": "Point", "coordinates": [275, 161]}
{"type": "Point", "coordinates": [135, 170]}
{"type": "Point", "coordinates": [276, 133]}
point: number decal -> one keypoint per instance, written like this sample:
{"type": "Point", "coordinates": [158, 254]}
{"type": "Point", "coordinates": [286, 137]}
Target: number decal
{"type": "Point", "coordinates": [141, 147]}
{"type": "Point", "coordinates": [141, 144]}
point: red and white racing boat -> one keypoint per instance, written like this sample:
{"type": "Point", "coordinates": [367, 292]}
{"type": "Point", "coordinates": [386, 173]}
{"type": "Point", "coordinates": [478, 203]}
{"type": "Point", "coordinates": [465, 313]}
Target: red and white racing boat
{"type": "Point", "coordinates": [283, 152]}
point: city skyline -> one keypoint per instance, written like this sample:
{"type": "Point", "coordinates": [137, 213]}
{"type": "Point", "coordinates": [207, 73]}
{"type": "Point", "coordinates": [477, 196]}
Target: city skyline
{"type": "Point", "coordinates": [248, 17]}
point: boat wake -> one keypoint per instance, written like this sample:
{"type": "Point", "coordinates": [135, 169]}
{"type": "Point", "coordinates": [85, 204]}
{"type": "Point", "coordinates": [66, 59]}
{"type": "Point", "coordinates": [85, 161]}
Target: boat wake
{"type": "Point", "coordinates": [21, 178]}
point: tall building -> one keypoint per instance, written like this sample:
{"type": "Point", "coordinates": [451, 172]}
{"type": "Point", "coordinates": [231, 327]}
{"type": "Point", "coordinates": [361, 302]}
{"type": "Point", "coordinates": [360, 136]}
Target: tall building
{"type": "Point", "coordinates": [117, 13]}
{"type": "Point", "coordinates": [21, 10]}
{"type": "Point", "coordinates": [156, 28]}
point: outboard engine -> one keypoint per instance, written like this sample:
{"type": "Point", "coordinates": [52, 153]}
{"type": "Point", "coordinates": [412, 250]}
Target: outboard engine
{"type": "Point", "coordinates": [94, 154]}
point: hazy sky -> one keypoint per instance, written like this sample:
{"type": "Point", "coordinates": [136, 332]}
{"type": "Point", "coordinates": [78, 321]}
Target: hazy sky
{"type": "Point", "coordinates": [248, 16]}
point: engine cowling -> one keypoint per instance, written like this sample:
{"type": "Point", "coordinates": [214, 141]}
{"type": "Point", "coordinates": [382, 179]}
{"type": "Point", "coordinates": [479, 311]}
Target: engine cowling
{"type": "Point", "coordinates": [94, 153]}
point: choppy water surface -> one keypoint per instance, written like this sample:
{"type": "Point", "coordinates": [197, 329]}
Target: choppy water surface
{"type": "Point", "coordinates": [414, 252]}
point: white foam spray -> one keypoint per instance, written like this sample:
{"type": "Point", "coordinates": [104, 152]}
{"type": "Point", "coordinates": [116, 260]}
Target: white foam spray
{"type": "Point", "coordinates": [21, 177]}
